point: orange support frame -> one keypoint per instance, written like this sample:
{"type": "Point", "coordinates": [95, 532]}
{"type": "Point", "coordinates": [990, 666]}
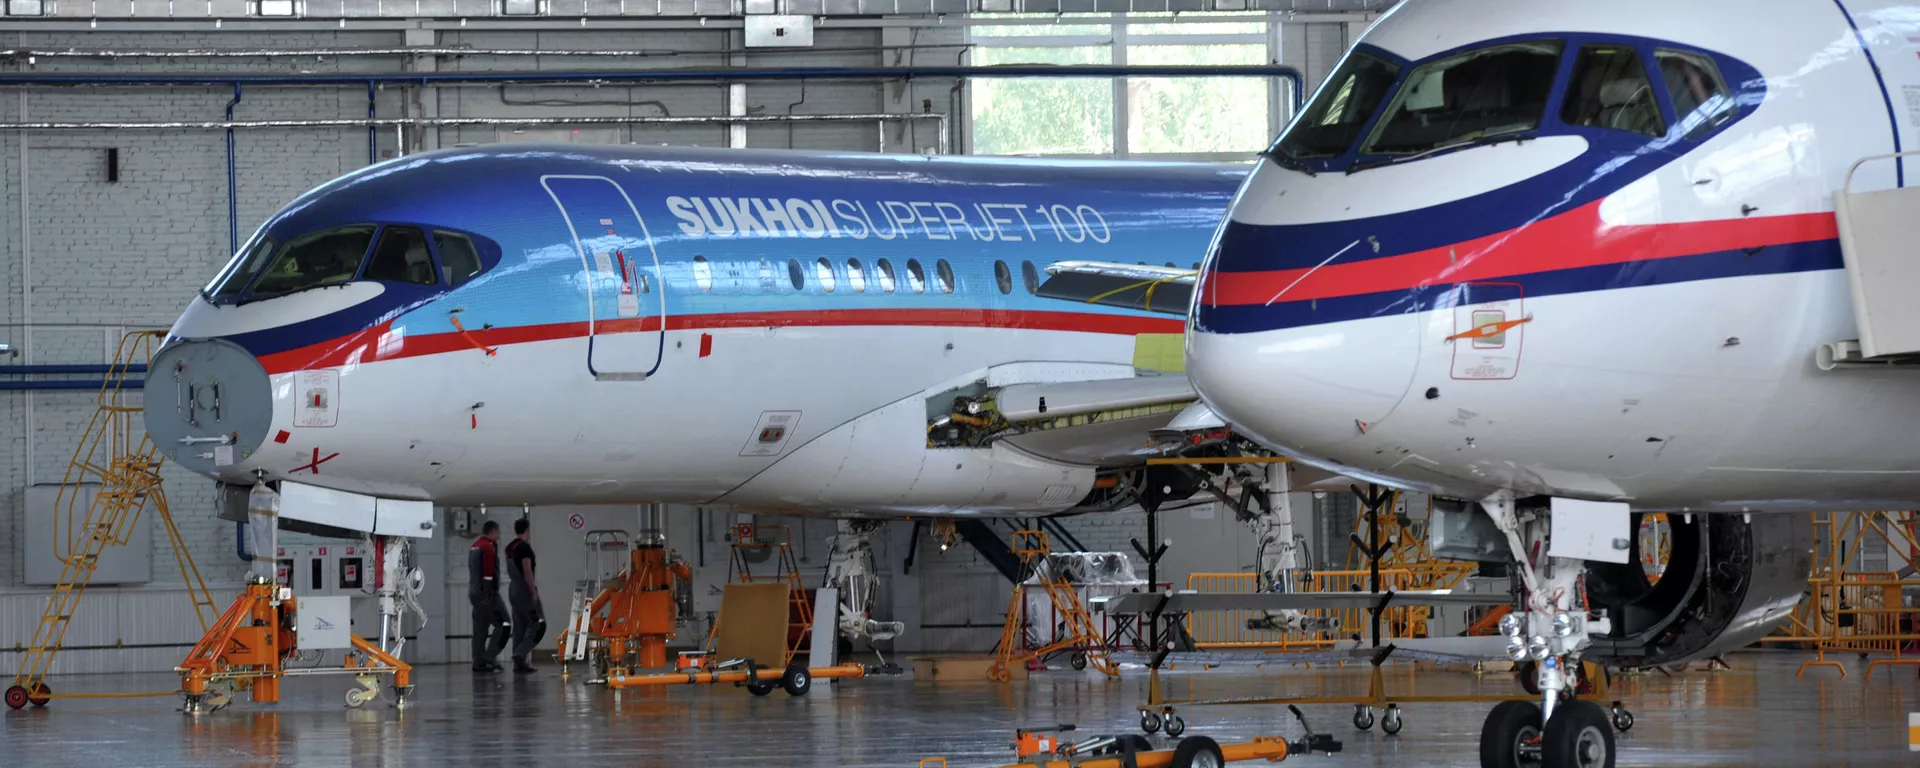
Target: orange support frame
{"type": "Point", "coordinates": [638, 609]}
{"type": "Point", "coordinates": [251, 639]}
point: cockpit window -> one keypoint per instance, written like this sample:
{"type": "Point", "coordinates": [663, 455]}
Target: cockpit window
{"type": "Point", "coordinates": [402, 257]}
{"type": "Point", "coordinates": [1479, 95]}
{"type": "Point", "coordinates": [1333, 121]}
{"type": "Point", "coordinates": [1700, 96]}
{"type": "Point", "coordinates": [1610, 89]}
{"type": "Point", "coordinates": [322, 258]}
{"type": "Point", "coordinates": [458, 261]}
{"type": "Point", "coordinates": [241, 271]}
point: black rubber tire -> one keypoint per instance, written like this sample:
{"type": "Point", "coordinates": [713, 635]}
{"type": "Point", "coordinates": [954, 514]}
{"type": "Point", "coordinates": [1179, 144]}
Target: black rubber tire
{"type": "Point", "coordinates": [761, 689]}
{"type": "Point", "coordinates": [796, 681]}
{"type": "Point", "coordinates": [1149, 722]}
{"type": "Point", "coordinates": [1077, 660]}
{"type": "Point", "coordinates": [1140, 743]}
{"type": "Point", "coordinates": [1363, 718]}
{"type": "Point", "coordinates": [16, 697]}
{"type": "Point", "coordinates": [1578, 736]}
{"type": "Point", "coordinates": [1176, 726]}
{"type": "Point", "coordinates": [40, 695]}
{"type": "Point", "coordinates": [1622, 720]}
{"type": "Point", "coordinates": [1527, 674]}
{"type": "Point", "coordinates": [1391, 722]}
{"type": "Point", "coordinates": [1509, 724]}
{"type": "Point", "coordinates": [1198, 752]}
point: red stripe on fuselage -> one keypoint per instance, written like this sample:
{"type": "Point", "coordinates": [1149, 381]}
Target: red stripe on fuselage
{"type": "Point", "coordinates": [378, 343]}
{"type": "Point", "coordinates": [1577, 238]}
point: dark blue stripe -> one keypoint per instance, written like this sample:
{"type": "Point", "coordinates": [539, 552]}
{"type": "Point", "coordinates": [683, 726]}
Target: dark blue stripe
{"type": "Point", "coordinates": [1899, 166]}
{"type": "Point", "coordinates": [1772, 260]}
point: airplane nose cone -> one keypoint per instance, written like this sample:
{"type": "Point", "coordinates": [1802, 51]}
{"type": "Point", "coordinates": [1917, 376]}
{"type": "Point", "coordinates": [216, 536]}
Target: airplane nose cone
{"type": "Point", "coordinates": [209, 405]}
{"type": "Point", "coordinates": [1311, 387]}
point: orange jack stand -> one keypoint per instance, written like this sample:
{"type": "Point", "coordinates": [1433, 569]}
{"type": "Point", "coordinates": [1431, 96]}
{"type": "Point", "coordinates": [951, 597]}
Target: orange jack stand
{"type": "Point", "coordinates": [636, 611]}
{"type": "Point", "coordinates": [246, 648]}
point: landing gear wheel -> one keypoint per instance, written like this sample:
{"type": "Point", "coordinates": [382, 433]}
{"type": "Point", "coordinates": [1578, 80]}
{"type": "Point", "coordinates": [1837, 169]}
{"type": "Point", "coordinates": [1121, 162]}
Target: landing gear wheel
{"type": "Point", "coordinates": [1198, 752]}
{"type": "Point", "coordinates": [1363, 717]}
{"type": "Point", "coordinates": [761, 689]}
{"type": "Point", "coordinates": [1390, 720]}
{"type": "Point", "coordinates": [1511, 736]}
{"type": "Point", "coordinates": [1078, 660]}
{"type": "Point", "coordinates": [17, 698]}
{"type": "Point", "coordinates": [1622, 719]}
{"type": "Point", "coordinates": [796, 681]}
{"type": "Point", "coordinates": [1149, 721]}
{"type": "Point", "coordinates": [1578, 736]}
{"type": "Point", "coordinates": [1175, 725]}
{"type": "Point", "coordinates": [40, 695]}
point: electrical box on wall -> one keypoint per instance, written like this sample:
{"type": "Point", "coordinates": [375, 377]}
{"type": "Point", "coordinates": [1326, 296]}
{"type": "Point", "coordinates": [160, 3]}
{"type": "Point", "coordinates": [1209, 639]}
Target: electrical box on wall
{"type": "Point", "coordinates": [52, 532]}
{"type": "Point", "coordinates": [779, 31]}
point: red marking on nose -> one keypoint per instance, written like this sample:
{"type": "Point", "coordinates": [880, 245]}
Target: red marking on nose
{"type": "Point", "coordinates": [476, 420]}
{"type": "Point", "coordinates": [706, 344]}
{"type": "Point", "coordinates": [314, 466]}
{"type": "Point", "coordinates": [282, 436]}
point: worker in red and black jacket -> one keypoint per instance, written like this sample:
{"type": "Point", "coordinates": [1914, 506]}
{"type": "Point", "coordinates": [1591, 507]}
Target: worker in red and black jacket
{"type": "Point", "coordinates": [483, 591]}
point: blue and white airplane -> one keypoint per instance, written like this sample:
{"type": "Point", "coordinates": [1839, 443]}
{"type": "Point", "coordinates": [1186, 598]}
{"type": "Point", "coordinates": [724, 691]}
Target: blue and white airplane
{"type": "Point", "coordinates": [548, 325]}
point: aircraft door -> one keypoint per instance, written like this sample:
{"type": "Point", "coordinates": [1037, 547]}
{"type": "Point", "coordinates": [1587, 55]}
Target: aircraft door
{"type": "Point", "coordinates": [626, 297]}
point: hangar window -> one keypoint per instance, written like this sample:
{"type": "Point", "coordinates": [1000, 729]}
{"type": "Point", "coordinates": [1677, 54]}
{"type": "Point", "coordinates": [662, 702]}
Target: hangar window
{"type": "Point", "coordinates": [459, 262]}
{"type": "Point", "coordinates": [1477, 96]}
{"type": "Point", "coordinates": [1700, 96]}
{"type": "Point", "coordinates": [1340, 109]}
{"type": "Point", "coordinates": [945, 271]}
{"type": "Point", "coordinates": [883, 271]}
{"type": "Point", "coordinates": [796, 275]}
{"type": "Point", "coordinates": [241, 271]}
{"type": "Point", "coordinates": [319, 259]}
{"type": "Point", "coordinates": [1002, 276]}
{"type": "Point", "coordinates": [702, 274]}
{"type": "Point", "coordinates": [916, 277]}
{"type": "Point", "coordinates": [401, 257]}
{"type": "Point", "coordinates": [856, 277]}
{"type": "Point", "coordinates": [1610, 89]}
{"type": "Point", "coordinates": [1030, 276]}
{"type": "Point", "coordinates": [823, 271]}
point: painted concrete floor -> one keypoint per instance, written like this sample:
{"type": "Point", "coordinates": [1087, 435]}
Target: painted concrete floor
{"type": "Point", "coordinates": [1758, 714]}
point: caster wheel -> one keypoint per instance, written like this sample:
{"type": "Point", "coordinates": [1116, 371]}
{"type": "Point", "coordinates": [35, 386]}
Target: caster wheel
{"type": "Point", "coordinates": [796, 681]}
{"type": "Point", "coordinates": [1363, 718]}
{"type": "Point", "coordinates": [1622, 720]}
{"type": "Point", "coordinates": [1578, 736]}
{"type": "Point", "coordinates": [1176, 726]}
{"type": "Point", "coordinates": [1078, 660]}
{"type": "Point", "coordinates": [16, 697]}
{"type": "Point", "coordinates": [1000, 675]}
{"type": "Point", "coordinates": [760, 688]}
{"type": "Point", "coordinates": [1511, 736]}
{"type": "Point", "coordinates": [1198, 752]}
{"type": "Point", "coordinates": [1390, 722]}
{"type": "Point", "coordinates": [40, 694]}
{"type": "Point", "coordinates": [358, 697]}
{"type": "Point", "coordinates": [1149, 721]}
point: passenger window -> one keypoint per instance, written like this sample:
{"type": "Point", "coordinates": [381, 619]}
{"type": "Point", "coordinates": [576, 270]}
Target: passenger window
{"type": "Point", "coordinates": [916, 277]}
{"type": "Point", "coordinates": [856, 277]}
{"type": "Point", "coordinates": [322, 258]}
{"type": "Point", "coordinates": [1610, 90]}
{"type": "Point", "coordinates": [402, 257]}
{"type": "Point", "coordinates": [458, 261]}
{"type": "Point", "coordinates": [883, 270]}
{"type": "Point", "coordinates": [796, 275]}
{"type": "Point", "coordinates": [823, 271]}
{"type": "Point", "coordinates": [1002, 276]}
{"type": "Point", "coordinates": [1700, 97]}
{"type": "Point", "coordinates": [945, 271]}
{"type": "Point", "coordinates": [1474, 96]}
{"type": "Point", "coordinates": [702, 274]}
{"type": "Point", "coordinates": [1030, 276]}
{"type": "Point", "coordinates": [241, 271]}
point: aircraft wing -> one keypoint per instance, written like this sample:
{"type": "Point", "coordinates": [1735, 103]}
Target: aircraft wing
{"type": "Point", "coordinates": [1102, 422]}
{"type": "Point", "coordinates": [1167, 290]}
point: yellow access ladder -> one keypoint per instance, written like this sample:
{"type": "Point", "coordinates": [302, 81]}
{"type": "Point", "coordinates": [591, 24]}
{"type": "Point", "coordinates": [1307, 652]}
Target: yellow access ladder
{"type": "Point", "coordinates": [1079, 633]}
{"type": "Point", "coordinates": [117, 454]}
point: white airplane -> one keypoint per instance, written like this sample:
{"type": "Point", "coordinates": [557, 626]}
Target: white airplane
{"type": "Point", "coordinates": [842, 335]}
{"type": "Point", "coordinates": [1565, 262]}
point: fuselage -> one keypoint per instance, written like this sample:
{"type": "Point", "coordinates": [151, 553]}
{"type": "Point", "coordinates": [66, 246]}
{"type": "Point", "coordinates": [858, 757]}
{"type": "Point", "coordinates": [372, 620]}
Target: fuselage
{"type": "Point", "coordinates": [651, 324]}
{"type": "Point", "coordinates": [1612, 288]}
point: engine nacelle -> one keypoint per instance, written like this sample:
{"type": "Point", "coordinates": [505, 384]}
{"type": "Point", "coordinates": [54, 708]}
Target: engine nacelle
{"type": "Point", "coordinates": [1730, 580]}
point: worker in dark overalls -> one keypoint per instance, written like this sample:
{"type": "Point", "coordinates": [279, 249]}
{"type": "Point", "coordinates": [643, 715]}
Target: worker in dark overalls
{"type": "Point", "coordinates": [483, 592]}
{"type": "Point", "coordinates": [529, 617]}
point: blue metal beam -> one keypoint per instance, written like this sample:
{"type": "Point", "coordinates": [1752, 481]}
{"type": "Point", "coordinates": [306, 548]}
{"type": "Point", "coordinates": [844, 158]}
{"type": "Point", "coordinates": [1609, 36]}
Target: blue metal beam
{"type": "Point", "coordinates": [66, 384]}
{"type": "Point", "coordinates": [42, 370]}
